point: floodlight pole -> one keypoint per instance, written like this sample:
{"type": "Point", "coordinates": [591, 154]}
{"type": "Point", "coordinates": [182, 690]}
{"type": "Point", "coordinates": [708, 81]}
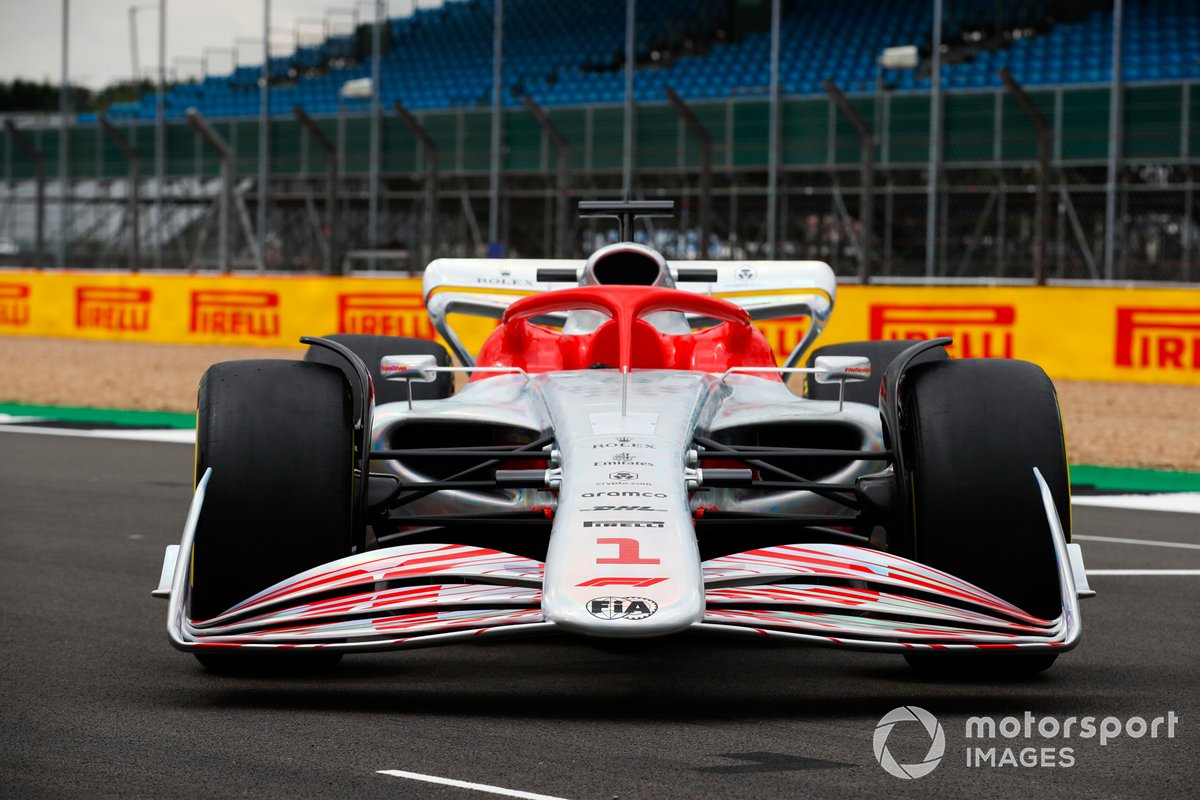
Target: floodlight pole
{"type": "Point", "coordinates": [160, 134]}
{"type": "Point", "coordinates": [497, 123]}
{"type": "Point", "coordinates": [773, 139]}
{"type": "Point", "coordinates": [64, 107]}
{"type": "Point", "coordinates": [264, 133]}
{"type": "Point", "coordinates": [374, 166]}
{"type": "Point", "coordinates": [627, 132]}
{"type": "Point", "coordinates": [133, 44]}
{"type": "Point", "coordinates": [1114, 148]}
{"type": "Point", "coordinates": [935, 145]}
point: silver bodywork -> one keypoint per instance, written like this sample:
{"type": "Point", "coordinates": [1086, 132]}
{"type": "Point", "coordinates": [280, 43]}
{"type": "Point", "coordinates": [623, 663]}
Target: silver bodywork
{"type": "Point", "coordinates": [624, 487]}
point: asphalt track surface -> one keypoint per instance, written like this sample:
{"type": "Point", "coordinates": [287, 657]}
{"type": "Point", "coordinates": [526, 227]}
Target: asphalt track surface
{"type": "Point", "coordinates": [95, 703]}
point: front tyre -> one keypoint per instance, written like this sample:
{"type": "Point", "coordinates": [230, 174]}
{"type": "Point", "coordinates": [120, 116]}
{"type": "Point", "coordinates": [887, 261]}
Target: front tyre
{"type": "Point", "coordinates": [278, 436]}
{"type": "Point", "coordinates": [972, 431]}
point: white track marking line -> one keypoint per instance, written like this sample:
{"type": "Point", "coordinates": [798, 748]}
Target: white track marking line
{"type": "Point", "coordinates": [1091, 572]}
{"type": "Point", "coordinates": [169, 435]}
{"type": "Point", "coordinates": [478, 787]}
{"type": "Point", "coordinates": [1176, 502]}
{"type": "Point", "coordinates": [1147, 542]}
{"type": "Point", "coordinates": [10, 419]}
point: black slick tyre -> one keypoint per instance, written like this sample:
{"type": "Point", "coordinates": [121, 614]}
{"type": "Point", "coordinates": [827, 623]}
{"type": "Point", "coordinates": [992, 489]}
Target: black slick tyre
{"type": "Point", "coordinates": [972, 431]}
{"type": "Point", "coordinates": [278, 438]}
{"type": "Point", "coordinates": [371, 349]}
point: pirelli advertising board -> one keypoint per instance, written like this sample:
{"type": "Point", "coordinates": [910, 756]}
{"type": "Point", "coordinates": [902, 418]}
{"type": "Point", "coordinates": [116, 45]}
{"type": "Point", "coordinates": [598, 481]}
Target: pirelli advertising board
{"type": "Point", "coordinates": [1108, 334]}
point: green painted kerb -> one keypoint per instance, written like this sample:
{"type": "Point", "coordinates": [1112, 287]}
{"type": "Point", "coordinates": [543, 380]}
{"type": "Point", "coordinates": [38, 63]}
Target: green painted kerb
{"type": "Point", "coordinates": [1118, 479]}
{"type": "Point", "coordinates": [103, 416]}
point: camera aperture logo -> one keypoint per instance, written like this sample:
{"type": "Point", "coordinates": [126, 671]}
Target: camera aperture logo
{"type": "Point", "coordinates": [929, 727]}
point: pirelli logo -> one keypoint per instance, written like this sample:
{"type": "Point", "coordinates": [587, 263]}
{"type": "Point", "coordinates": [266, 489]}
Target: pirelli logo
{"type": "Point", "coordinates": [783, 335]}
{"type": "Point", "coordinates": [1160, 338]}
{"type": "Point", "coordinates": [979, 331]}
{"type": "Point", "coordinates": [14, 305]}
{"type": "Point", "coordinates": [384, 314]}
{"type": "Point", "coordinates": [234, 313]}
{"type": "Point", "coordinates": [112, 308]}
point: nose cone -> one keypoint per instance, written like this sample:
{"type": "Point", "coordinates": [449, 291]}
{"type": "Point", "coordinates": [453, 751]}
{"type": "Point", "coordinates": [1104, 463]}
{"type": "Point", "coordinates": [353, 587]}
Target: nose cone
{"type": "Point", "coordinates": [622, 560]}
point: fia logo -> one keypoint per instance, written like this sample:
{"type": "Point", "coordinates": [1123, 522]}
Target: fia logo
{"type": "Point", "coordinates": [632, 608]}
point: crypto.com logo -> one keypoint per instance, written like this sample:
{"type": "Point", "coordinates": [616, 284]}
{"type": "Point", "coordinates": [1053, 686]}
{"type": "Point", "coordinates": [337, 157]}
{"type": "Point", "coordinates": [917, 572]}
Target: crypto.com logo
{"type": "Point", "coordinates": [933, 728]}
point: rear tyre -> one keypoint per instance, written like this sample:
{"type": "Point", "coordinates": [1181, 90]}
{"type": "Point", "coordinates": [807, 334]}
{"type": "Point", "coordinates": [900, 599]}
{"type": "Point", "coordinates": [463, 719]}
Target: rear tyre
{"type": "Point", "coordinates": [972, 432]}
{"type": "Point", "coordinates": [881, 353]}
{"type": "Point", "coordinates": [278, 438]}
{"type": "Point", "coordinates": [371, 349]}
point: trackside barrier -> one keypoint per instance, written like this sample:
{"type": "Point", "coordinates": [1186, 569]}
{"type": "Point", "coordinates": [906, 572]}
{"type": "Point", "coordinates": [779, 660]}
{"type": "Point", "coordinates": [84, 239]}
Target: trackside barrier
{"type": "Point", "coordinates": [1105, 334]}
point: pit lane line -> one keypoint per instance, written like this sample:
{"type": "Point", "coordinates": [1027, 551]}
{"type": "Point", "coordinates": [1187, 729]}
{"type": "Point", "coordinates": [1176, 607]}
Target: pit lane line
{"type": "Point", "coordinates": [478, 787]}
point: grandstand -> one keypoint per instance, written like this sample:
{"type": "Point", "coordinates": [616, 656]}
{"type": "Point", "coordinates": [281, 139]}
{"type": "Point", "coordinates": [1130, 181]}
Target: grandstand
{"type": "Point", "coordinates": [566, 53]}
{"type": "Point", "coordinates": [568, 58]}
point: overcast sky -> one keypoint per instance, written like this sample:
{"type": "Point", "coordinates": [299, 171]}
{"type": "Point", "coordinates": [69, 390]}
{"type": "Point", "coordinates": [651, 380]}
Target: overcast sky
{"type": "Point", "coordinates": [31, 31]}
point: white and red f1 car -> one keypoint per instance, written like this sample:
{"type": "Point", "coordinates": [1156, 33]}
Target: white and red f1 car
{"type": "Point", "coordinates": [627, 461]}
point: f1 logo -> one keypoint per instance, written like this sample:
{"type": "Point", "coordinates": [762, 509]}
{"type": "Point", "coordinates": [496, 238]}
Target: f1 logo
{"type": "Point", "coordinates": [640, 582]}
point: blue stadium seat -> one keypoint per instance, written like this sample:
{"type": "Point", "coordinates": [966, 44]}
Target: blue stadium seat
{"type": "Point", "coordinates": [571, 53]}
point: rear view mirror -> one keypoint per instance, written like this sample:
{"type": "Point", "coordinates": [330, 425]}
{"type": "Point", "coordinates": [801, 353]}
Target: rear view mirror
{"type": "Point", "coordinates": [842, 369]}
{"type": "Point", "coordinates": [419, 368]}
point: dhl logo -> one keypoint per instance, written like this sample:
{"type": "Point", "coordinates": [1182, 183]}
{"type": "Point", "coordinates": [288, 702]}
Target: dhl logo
{"type": "Point", "coordinates": [384, 314]}
{"type": "Point", "coordinates": [1162, 338]}
{"type": "Point", "coordinates": [234, 313]}
{"type": "Point", "coordinates": [14, 305]}
{"type": "Point", "coordinates": [112, 308]}
{"type": "Point", "coordinates": [978, 331]}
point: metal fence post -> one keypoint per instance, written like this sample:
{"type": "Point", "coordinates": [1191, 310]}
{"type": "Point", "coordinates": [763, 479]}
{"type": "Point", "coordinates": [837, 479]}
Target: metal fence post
{"type": "Point", "coordinates": [935, 145]}
{"type": "Point", "coordinates": [1114, 147]}
{"type": "Point", "coordinates": [773, 139]}
{"type": "Point", "coordinates": [497, 125]}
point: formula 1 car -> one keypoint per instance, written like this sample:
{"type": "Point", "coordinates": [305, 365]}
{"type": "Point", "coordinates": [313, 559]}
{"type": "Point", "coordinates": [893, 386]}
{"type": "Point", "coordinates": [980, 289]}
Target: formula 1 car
{"type": "Point", "coordinates": [626, 460]}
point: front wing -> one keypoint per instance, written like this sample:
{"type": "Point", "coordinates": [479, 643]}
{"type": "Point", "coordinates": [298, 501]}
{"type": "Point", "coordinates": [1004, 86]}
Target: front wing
{"type": "Point", "coordinates": [429, 594]}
